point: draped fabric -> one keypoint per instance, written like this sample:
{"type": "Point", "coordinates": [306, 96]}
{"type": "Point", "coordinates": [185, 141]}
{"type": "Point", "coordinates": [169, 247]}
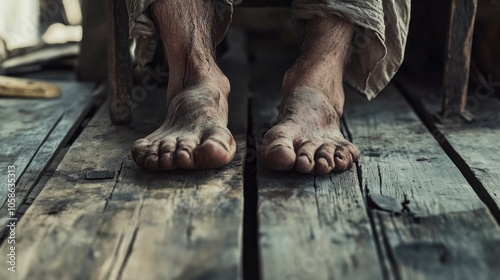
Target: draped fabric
{"type": "Point", "coordinates": [377, 49]}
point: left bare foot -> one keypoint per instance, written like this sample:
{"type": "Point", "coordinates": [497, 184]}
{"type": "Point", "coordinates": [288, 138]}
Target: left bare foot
{"type": "Point", "coordinates": [307, 137]}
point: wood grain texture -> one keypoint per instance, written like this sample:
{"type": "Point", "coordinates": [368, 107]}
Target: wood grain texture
{"type": "Point", "coordinates": [429, 221]}
{"type": "Point", "coordinates": [472, 146]}
{"type": "Point", "coordinates": [119, 63]}
{"type": "Point", "coordinates": [310, 227]}
{"type": "Point", "coordinates": [15, 87]}
{"type": "Point", "coordinates": [139, 224]}
{"type": "Point", "coordinates": [32, 131]}
{"type": "Point", "coordinates": [457, 63]}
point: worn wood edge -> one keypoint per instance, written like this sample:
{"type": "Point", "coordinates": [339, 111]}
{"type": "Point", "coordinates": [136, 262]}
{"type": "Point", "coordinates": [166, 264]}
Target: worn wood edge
{"type": "Point", "coordinates": [392, 220]}
{"type": "Point", "coordinates": [425, 109]}
{"type": "Point", "coordinates": [53, 114]}
{"type": "Point", "coordinates": [55, 140]}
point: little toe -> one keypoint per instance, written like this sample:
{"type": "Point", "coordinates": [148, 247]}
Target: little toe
{"type": "Point", "coordinates": [140, 151]}
{"type": "Point", "coordinates": [325, 162]}
{"type": "Point", "coordinates": [183, 156]}
{"type": "Point", "coordinates": [152, 160]}
{"type": "Point", "coordinates": [343, 158]}
{"type": "Point", "coordinates": [305, 157]}
{"type": "Point", "coordinates": [354, 152]}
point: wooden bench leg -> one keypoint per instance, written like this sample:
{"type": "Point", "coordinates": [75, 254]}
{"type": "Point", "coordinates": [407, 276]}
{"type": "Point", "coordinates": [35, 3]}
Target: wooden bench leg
{"type": "Point", "coordinates": [119, 64]}
{"type": "Point", "coordinates": [456, 75]}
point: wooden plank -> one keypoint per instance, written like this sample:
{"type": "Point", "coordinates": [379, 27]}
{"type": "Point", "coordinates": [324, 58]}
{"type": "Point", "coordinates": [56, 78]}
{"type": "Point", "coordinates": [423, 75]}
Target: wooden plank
{"type": "Point", "coordinates": [457, 64]}
{"type": "Point", "coordinates": [32, 131]}
{"type": "Point", "coordinates": [310, 227]}
{"type": "Point", "coordinates": [472, 146]}
{"type": "Point", "coordinates": [139, 224]}
{"type": "Point", "coordinates": [429, 221]}
{"type": "Point", "coordinates": [15, 87]}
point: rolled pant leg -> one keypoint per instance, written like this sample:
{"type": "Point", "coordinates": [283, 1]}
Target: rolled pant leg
{"type": "Point", "coordinates": [378, 46]}
{"type": "Point", "coordinates": [142, 24]}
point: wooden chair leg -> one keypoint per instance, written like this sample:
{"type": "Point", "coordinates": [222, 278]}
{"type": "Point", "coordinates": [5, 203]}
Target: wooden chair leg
{"type": "Point", "coordinates": [456, 75]}
{"type": "Point", "coordinates": [119, 64]}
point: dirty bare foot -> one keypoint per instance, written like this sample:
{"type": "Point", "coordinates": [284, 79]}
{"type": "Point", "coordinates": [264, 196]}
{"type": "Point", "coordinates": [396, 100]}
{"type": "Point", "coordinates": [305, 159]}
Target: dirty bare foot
{"type": "Point", "coordinates": [307, 135]}
{"type": "Point", "coordinates": [194, 134]}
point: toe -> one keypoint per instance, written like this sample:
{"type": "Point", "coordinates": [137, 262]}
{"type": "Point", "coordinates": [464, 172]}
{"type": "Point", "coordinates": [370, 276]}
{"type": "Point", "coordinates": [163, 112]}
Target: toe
{"type": "Point", "coordinates": [325, 162]}
{"type": "Point", "coordinates": [217, 149]}
{"type": "Point", "coordinates": [305, 157]}
{"type": "Point", "coordinates": [167, 150]}
{"type": "Point", "coordinates": [140, 151]}
{"type": "Point", "coordinates": [152, 160]}
{"type": "Point", "coordinates": [183, 156]}
{"type": "Point", "coordinates": [322, 167]}
{"type": "Point", "coordinates": [343, 158]}
{"type": "Point", "coordinates": [277, 151]}
{"type": "Point", "coordinates": [354, 152]}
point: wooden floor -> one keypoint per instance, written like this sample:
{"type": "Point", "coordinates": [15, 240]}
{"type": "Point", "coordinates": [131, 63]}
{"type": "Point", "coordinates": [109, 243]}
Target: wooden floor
{"type": "Point", "coordinates": [422, 203]}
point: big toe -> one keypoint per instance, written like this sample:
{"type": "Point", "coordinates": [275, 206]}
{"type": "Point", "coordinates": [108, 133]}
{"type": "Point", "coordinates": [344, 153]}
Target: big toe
{"type": "Point", "coordinates": [277, 152]}
{"type": "Point", "coordinates": [216, 150]}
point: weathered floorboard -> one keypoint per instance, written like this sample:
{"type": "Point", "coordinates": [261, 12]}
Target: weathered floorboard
{"type": "Point", "coordinates": [137, 224]}
{"type": "Point", "coordinates": [310, 227]}
{"type": "Point", "coordinates": [429, 221]}
{"type": "Point", "coordinates": [32, 131]}
{"type": "Point", "coordinates": [473, 146]}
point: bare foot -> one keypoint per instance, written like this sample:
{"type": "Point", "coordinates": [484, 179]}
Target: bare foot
{"type": "Point", "coordinates": [307, 136]}
{"type": "Point", "coordinates": [194, 134]}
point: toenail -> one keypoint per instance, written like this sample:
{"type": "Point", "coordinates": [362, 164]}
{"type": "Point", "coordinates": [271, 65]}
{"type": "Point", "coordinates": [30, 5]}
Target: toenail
{"type": "Point", "coordinates": [279, 146]}
{"type": "Point", "coordinates": [187, 152]}
{"type": "Point", "coordinates": [306, 156]}
{"type": "Point", "coordinates": [323, 161]}
{"type": "Point", "coordinates": [339, 155]}
{"type": "Point", "coordinates": [167, 155]}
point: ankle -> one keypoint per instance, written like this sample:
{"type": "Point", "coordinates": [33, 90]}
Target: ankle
{"type": "Point", "coordinates": [322, 79]}
{"type": "Point", "coordinates": [213, 79]}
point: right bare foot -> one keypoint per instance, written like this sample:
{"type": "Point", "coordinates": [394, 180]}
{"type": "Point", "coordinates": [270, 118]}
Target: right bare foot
{"type": "Point", "coordinates": [194, 134]}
